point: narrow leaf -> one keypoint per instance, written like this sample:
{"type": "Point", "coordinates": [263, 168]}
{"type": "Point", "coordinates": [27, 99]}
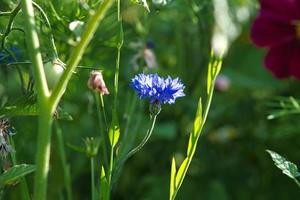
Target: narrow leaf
{"type": "Point", "coordinates": [209, 76]}
{"type": "Point", "coordinates": [181, 172]}
{"type": "Point", "coordinates": [104, 188]}
{"type": "Point", "coordinates": [15, 173]}
{"type": "Point", "coordinates": [114, 130]}
{"type": "Point", "coordinates": [196, 129]}
{"type": "Point", "coordinates": [287, 167]}
{"type": "Point", "coordinates": [173, 177]}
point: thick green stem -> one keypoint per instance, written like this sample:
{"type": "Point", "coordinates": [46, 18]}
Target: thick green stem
{"type": "Point", "coordinates": [34, 51]}
{"type": "Point", "coordinates": [43, 153]}
{"type": "Point", "coordinates": [78, 51]}
{"type": "Point", "coordinates": [45, 110]}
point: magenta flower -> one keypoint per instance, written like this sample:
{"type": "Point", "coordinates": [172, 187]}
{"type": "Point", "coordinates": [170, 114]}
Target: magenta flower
{"type": "Point", "coordinates": [277, 28]}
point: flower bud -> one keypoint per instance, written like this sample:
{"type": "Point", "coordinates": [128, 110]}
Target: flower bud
{"type": "Point", "coordinates": [97, 83]}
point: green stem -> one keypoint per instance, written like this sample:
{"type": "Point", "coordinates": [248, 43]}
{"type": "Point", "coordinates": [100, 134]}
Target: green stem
{"type": "Point", "coordinates": [78, 51]}
{"type": "Point", "coordinates": [54, 53]}
{"type": "Point", "coordinates": [111, 163]}
{"type": "Point", "coordinates": [8, 13]}
{"type": "Point", "coordinates": [103, 111]}
{"type": "Point", "coordinates": [103, 133]}
{"type": "Point", "coordinates": [43, 153]}
{"type": "Point", "coordinates": [194, 144]}
{"type": "Point", "coordinates": [297, 182]}
{"type": "Point", "coordinates": [93, 179]}
{"type": "Point", "coordinates": [64, 164]}
{"type": "Point", "coordinates": [45, 109]}
{"type": "Point", "coordinates": [145, 139]}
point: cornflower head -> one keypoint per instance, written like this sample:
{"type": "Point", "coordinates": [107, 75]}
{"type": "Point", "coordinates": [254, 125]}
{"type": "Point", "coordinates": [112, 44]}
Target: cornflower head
{"type": "Point", "coordinates": [157, 89]}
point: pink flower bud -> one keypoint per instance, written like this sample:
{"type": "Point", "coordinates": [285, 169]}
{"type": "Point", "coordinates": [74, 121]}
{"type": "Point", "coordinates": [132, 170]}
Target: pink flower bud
{"type": "Point", "coordinates": [97, 83]}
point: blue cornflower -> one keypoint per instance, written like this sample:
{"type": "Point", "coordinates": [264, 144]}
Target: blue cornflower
{"type": "Point", "coordinates": [157, 89]}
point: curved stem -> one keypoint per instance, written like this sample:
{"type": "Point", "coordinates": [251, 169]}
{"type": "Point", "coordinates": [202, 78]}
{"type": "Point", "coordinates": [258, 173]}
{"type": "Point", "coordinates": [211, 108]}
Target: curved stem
{"type": "Point", "coordinates": [55, 55]}
{"type": "Point", "coordinates": [145, 139]}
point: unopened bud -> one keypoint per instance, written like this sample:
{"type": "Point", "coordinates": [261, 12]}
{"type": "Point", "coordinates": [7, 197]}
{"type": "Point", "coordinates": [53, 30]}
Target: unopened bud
{"type": "Point", "coordinates": [97, 83]}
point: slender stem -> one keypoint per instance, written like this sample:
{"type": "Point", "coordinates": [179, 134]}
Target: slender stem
{"type": "Point", "coordinates": [12, 16]}
{"type": "Point", "coordinates": [103, 111]}
{"type": "Point", "coordinates": [111, 164]}
{"type": "Point", "coordinates": [140, 145]}
{"type": "Point", "coordinates": [116, 89]}
{"type": "Point", "coordinates": [145, 139]}
{"type": "Point", "coordinates": [5, 13]}
{"type": "Point", "coordinates": [297, 182]}
{"type": "Point", "coordinates": [54, 53]}
{"type": "Point", "coordinates": [103, 133]}
{"type": "Point", "coordinates": [92, 179]}
{"type": "Point", "coordinates": [65, 165]}
{"type": "Point", "coordinates": [190, 157]}
{"type": "Point", "coordinates": [78, 51]}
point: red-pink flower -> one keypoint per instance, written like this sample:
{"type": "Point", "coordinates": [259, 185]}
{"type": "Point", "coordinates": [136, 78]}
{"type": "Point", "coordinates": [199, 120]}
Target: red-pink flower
{"type": "Point", "coordinates": [277, 28]}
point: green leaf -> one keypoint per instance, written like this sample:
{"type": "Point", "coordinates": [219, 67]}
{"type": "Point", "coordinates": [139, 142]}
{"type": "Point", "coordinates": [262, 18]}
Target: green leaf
{"type": "Point", "coordinates": [104, 187]}
{"type": "Point", "coordinates": [181, 172]}
{"type": "Point", "coordinates": [287, 167]}
{"type": "Point", "coordinates": [114, 130]}
{"type": "Point", "coordinates": [143, 3]}
{"type": "Point", "coordinates": [173, 177]}
{"type": "Point", "coordinates": [15, 173]}
{"type": "Point", "coordinates": [23, 106]}
{"type": "Point", "coordinates": [196, 129]}
{"type": "Point", "coordinates": [209, 76]}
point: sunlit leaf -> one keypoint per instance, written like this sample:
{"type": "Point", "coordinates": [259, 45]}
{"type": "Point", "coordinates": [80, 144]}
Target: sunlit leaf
{"type": "Point", "coordinates": [104, 188]}
{"type": "Point", "coordinates": [114, 130]}
{"type": "Point", "coordinates": [197, 125]}
{"type": "Point", "coordinates": [181, 172]}
{"type": "Point", "coordinates": [173, 177]}
{"type": "Point", "coordinates": [15, 173]}
{"type": "Point", "coordinates": [287, 167]}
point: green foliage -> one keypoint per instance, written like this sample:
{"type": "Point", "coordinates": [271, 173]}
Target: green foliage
{"type": "Point", "coordinates": [283, 106]}
{"type": "Point", "coordinates": [15, 173]}
{"type": "Point", "coordinates": [114, 131]}
{"type": "Point", "coordinates": [287, 167]}
{"type": "Point", "coordinates": [214, 68]}
{"type": "Point", "coordinates": [104, 187]}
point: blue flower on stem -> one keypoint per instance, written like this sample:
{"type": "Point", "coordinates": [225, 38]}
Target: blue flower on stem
{"type": "Point", "coordinates": [158, 89]}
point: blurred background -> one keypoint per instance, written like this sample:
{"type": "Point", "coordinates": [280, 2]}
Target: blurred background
{"type": "Point", "coordinates": [174, 39]}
